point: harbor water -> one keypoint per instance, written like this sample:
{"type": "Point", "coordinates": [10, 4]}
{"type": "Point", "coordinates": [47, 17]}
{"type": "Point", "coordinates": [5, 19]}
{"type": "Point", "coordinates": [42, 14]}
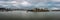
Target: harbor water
{"type": "Point", "coordinates": [29, 15]}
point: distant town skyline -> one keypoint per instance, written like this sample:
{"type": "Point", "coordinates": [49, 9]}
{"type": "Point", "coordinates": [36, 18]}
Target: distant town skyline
{"type": "Point", "coordinates": [19, 4]}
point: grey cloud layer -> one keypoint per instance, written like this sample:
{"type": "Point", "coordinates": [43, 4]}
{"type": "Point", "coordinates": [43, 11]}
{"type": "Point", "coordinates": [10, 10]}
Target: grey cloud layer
{"type": "Point", "coordinates": [35, 3]}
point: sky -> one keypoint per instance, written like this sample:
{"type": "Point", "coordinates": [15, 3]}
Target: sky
{"type": "Point", "coordinates": [28, 4]}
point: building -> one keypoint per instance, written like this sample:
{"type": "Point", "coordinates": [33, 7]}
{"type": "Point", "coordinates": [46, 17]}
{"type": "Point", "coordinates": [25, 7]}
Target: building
{"type": "Point", "coordinates": [4, 9]}
{"type": "Point", "coordinates": [38, 10]}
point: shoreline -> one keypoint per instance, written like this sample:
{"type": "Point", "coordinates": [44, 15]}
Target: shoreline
{"type": "Point", "coordinates": [25, 11]}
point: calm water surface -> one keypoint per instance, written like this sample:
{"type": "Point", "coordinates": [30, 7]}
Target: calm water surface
{"type": "Point", "coordinates": [29, 15]}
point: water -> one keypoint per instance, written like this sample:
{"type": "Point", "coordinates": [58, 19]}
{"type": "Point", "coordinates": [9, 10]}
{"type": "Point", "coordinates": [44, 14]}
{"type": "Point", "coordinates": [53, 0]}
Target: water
{"type": "Point", "coordinates": [29, 15]}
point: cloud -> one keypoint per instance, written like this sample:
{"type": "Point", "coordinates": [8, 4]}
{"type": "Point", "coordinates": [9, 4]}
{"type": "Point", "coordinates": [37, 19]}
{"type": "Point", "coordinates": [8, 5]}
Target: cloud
{"type": "Point", "coordinates": [2, 2]}
{"type": "Point", "coordinates": [54, 8]}
{"type": "Point", "coordinates": [37, 1]}
{"type": "Point", "coordinates": [40, 5]}
{"type": "Point", "coordinates": [4, 5]}
{"type": "Point", "coordinates": [56, 0]}
{"type": "Point", "coordinates": [13, 2]}
{"type": "Point", "coordinates": [6, 0]}
{"type": "Point", "coordinates": [57, 5]}
{"type": "Point", "coordinates": [25, 3]}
